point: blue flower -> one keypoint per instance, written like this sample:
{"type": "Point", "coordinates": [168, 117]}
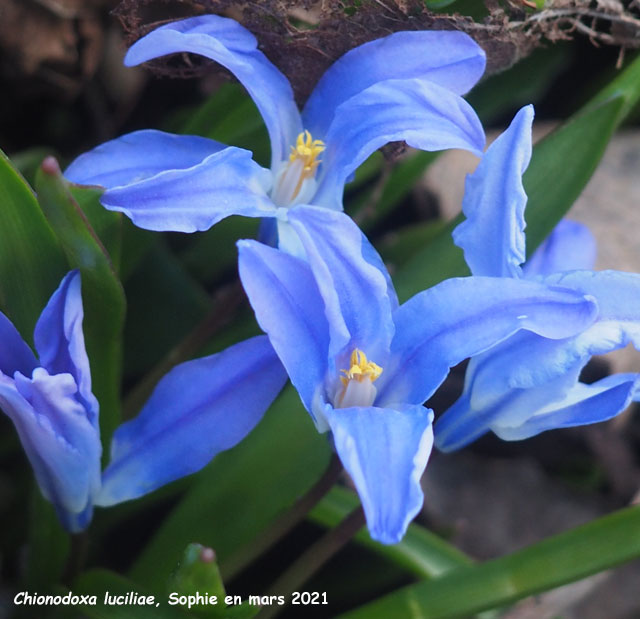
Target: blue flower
{"type": "Point", "coordinates": [529, 384]}
{"type": "Point", "coordinates": [199, 408]}
{"type": "Point", "coordinates": [363, 364]}
{"type": "Point", "coordinates": [405, 86]}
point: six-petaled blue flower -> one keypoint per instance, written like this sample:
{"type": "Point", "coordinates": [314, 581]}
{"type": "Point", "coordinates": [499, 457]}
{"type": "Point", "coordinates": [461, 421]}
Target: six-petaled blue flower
{"type": "Point", "coordinates": [199, 408]}
{"type": "Point", "coordinates": [405, 86]}
{"type": "Point", "coordinates": [363, 364]}
{"type": "Point", "coordinates": [529, 384]}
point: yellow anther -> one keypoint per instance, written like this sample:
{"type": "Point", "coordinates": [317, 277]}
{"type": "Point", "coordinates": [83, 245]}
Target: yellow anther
{"type": "Point", "coordinates": [307, 150]}
{"type": "Point", "coordinates": [361, 368]}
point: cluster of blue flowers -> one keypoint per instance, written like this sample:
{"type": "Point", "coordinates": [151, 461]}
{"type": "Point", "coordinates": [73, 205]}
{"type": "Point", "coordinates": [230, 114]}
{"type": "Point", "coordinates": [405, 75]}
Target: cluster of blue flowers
{"type": "Point", "coordinates": [362, 363]}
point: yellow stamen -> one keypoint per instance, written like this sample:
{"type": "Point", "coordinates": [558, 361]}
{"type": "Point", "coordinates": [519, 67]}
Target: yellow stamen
{"type": "Point", "coordinates": [360, 368]}
{"type": "Point", "coordinates": [308, 150]}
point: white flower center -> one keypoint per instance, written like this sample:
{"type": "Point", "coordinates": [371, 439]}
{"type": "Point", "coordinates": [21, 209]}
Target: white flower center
{"type": "Point", "coordinates": [295, 181]}
{"type": "Point", "coordinates": [357, 383]}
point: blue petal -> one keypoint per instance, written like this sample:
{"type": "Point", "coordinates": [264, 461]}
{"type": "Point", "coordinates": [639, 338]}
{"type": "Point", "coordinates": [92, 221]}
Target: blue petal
{"type": "Point", "coordinates": [506, 385]}
{"type": "Point", "coordinates": [289, 308]}
{"type": "Point", "coordinates": [226, 183]}
{"type": "Point", "coordinates": [355, 291]}
{"type": "Point", "coordinates": [385, 451]}
{"type": "Point", "coordinates": [492, 236]}
{"type": "Point", "coordinates": [59, 340]}
{"type": "Point", "coordinates": [459, 318]}
{"type": "Point", "coordinates": [61, 444]}
{"type": "Point", "coordinates": [139, 155]}
{"type": "Point", "coordinates": [423, 114]}
{"type": "Point", "coordinates": [452, 60]}
{"type": "Point", "coordinates": [227, 42]}
{"type": "Point", "coordinates": [526, 373]}
{"type": "Point", "coordinates": [618, 297]}
{"type": "Point", "coordinates": [569, 247]}
{"type": "Point", "coordinates": [15, 355]}
{"type": "Point", "coordinates": [583, 404]}
{"type": "Point", "coordinates": [197, 410]}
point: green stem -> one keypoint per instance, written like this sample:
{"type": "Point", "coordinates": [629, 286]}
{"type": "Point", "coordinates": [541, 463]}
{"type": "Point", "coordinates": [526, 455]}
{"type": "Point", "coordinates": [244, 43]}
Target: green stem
{"type": "Point", "coordinates": [77, 557]}
{"type": "Point", "coordinates": [286, 522]}
{"type": "Point", "coordinates": [315, 557]}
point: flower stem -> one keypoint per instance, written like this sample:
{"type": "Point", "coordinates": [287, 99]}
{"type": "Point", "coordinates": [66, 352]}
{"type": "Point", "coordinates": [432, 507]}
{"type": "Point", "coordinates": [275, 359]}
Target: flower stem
{"type": "Point", "coordinates": [281, 526]}
{"type": "Point", "coordinates": [77, 556]}
{"type": "Point", "coordinates": [313, 559]}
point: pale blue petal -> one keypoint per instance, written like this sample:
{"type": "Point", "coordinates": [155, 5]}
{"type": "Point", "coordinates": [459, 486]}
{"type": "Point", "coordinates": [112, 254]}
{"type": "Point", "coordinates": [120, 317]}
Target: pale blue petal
{"type": "Point", "coordinates": [61, 444]}
{"type": "Point", "coordinates": [507, 384]}
{"type": "Point", "coordinates": [569, 247]}
{"type": "Point", "coordinates": [421, 113]}
{"type": "Point", "coordinates": [492, 236]}
{"type": "Point", "coordinates": [197, 410]}
{"type": "Point", "coordinates": [449, 59]}
{"type": "Point", "coordinates": [385, 451]}
{"type": "Point", "coordinates": [583, 404]}
{"type": "Point", "coordinates": [618, 297]}
{"type": "Point", "coordinates": [139, 155]}
{"type": "Point", "coordinates": [355, 291]}
{"type": "Point", "coordinates": [59, 340]}
{"type": "Point", "coordinates": [459, 318]}
{"type": "Point", "coordinates": [226, 183]}
{"type": "Point", "coordinates": [289, 308]}
{"type": "Point", "coordinates": [496, 392]}
{"type": "Point", "coordinates": [228, 43]}
{"type": "Point", "coordinates": [15, 355]}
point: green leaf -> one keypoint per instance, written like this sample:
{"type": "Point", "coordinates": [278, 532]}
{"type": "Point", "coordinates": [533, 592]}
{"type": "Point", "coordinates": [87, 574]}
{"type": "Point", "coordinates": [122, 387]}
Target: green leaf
{"type": "Point", "coordinates": [106, 224]}
{"type": "Point", "coordinates": [575, 554]}
{"type": "Point", "coordinates": [241, 491]}
{"type": "Point", "coordinates": [198, 574]}
{"type": "Point", "coordinates": [231, 117]}
{"type": "Point", "coordinates": [560, 167]}
{"type": "Point", "coordinates": [31, 261]}
{"type": "Point", "coordinates": [165, 303]}
{"type": "Point", "coordinates": [213, 253]}
{"type": "Point", "coordinates": [420, 552]}
{"type": "Point", "coordinates": [98, 582]}
{"type": "Point", "coordinates": [102, 294]}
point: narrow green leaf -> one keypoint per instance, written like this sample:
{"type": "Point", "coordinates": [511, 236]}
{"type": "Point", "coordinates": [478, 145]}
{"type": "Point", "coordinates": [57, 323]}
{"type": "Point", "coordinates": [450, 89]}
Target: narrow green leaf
{"type": "Point", "coordinates": [560, 167]}
{"type": "Point", "coordinates": [102, 293]}
{"type": "Point", "coordinates": [570, 556]}
{"type": "Point", "coordinates": [241, 491]}
{"type": "Point", "coordinates": [31, 261]}
{"type": "Point", "coordinates": [420, 552]}
{"type": "Point", "coordinates": [106, 224]}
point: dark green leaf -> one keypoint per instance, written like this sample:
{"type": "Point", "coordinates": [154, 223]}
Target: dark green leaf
{"type": "Point", "coordinates": [31, 261]}
{"type": "Point", "coordinates": [567, 557]}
